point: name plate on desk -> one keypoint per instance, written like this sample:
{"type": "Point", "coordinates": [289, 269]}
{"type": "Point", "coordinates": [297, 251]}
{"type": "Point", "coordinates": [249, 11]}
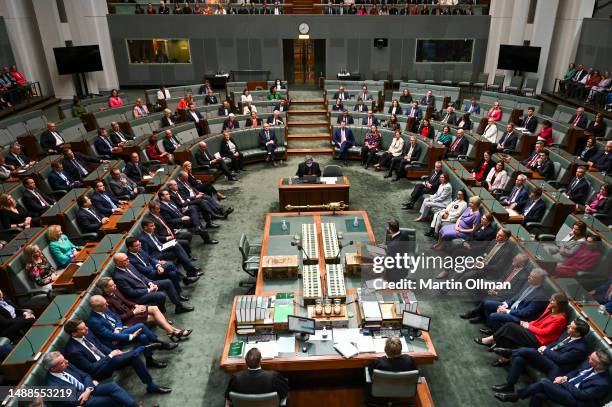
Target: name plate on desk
{"type": "Point", "coordinates": [279, 267]}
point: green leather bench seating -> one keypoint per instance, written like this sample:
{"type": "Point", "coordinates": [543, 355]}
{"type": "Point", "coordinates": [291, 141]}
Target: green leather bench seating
{"type": "Point", "coordinates": [104, 118]}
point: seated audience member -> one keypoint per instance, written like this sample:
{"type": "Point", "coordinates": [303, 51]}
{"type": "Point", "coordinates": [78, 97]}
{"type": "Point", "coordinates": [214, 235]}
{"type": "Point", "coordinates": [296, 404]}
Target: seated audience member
{"type": "Point", "coordinates": [6, 171]}
{"type": "Point", "coordinates": [343, 139]}
{"type": "Point", "coordinates": [597, 127]}
{"type": "Point", "coordinates": [183, 194]}
{"type": "Point", "coordinates": [162, 95]}
{"type": "Point", "coordinates": [194, 115]}
{"type": "Point", "coordinates": [570, 243]}
{"type": "Point", "coordinates": [459, 146]}
{"type": "Point", "coordinates": [61, 248]}
{"type": "Point", "coordinates": [393, 361]}
{"type": "Point", "coordinates": [569, 75]}
{"type": "Point", "coordinates": [165, 233]}
{"type": "Point", "coordinates": [338, 106]}
{"type": "Point", "coordinates": [16, 158]}
{"type": "Point", "coordinates": [429, 186]}
{"type": "Point", "coordinates": [448, 215]}
{"type": "Point", "coordinates": [140, 109]}
{"type": "Point", "coordinates": [132, 313]}
{"type": "Point", "coordinates": [589, 151]}
{"type": "Point", "coordinates": [545, 166]}
{"type": "Point", "coordinates": [534, 208]}
{"type": "Point", "coordinates": [395, 150]}
{"type": "Point", "coordinates": [435, 202]}
{"type": "Point", "coordinates": [170, 142]}
{"type": "Point", "coordinates": [392, 124]}
{"type": "Point", "coordinates": [360, 106]}
{"type": "Point", "coordinates": [88, 219]}
{"type": "Point", "coordinates": [201, 186]}
{"type": "Point", "coordinates": [184, 103]}
{"type": "Point", "coordinates": [274, 94]}
{"type": "Point", "coordinates": [168, 119]}
{"type": "Point", "coordinates": [18, 76]}
{"type": "Point", "coordinates": [282, 106]}
{"type": "Point", "coordinates": [586, 386]}
{"type": "Point", "coordinates": [578, 119]}
{"type": "Point", "coordinates": [582, 261]}
{"type": "Point", "coordinates": [346, 118]}
{"type": "Point", "coordinates": [531, 161]}
{"type": "Point", "coordinates": [77, 109]}
{"type": "Point", "coordinates": [601, 87]}
{"type": "Point", "coordinates": [395, 108]}
{"type": "Point", "coordinates": [405, 97]}
{"type": "Point", "coordinates": [495, 112]}
{"type": "Point", "coordinates": [449, 116]}
{"type": "Point", "coordinates": [114, 100]}
{"type": "Point", "coordinates": [225, 109]}
{"type": "Point", "coordinates": [465, 225]}
{"type": "Point", "coordinates": [14, 322]}
{"type": "Point", "coordinates": [444, 137]}
{"type": "Point", "coordinates": [416, 112]}
{"type": "Point", "coordinates": [230, 149]}
{"type": "Point", "coordinates": [518, 196]}
{"type": "Point", "coordinates": [578, 188]}
{"type": "Point", "coordinates": [135, 170]}
{"type": "Point", "coordinates": [275, 119]}
{"type": "Point", "coordinates": [105, 204]}
{"type": "Point", "coordinates": [231, 123]}
{"type": "Point", "coordinates": [13, 215]}
{"type": "Point", "coordinates": [507, 141]}
{"type": "Point", "coordinates": [491, 131]}
{"type": "Point", "coordinates": [60, 180]}
{"type": "Point", "coordinates": [603, 295]}
{"type": "Point", "coordinates": [341, 94]}
{"type": "Point", "coordinates": [267, 141]}
{"type": "Point", "coordinates": [104, 145]}
{"type": "Point", "coordinates": [371, 145]}
{"type": "Point", "coordinates": [496, 179]}
{"type": "Point", "coordinates": [211, 99]}
{"type": "Point", "coordinates": [154, 153]}
{"type": "Point", "coordinates": [555, 359]}
{"type": "Point", "coordinates": [482, 168]}
{"type": "Point", "coordinates": [472, 107]}
{"type": "Point", "coordinates": [88, 353]}
{"type": "Point", "coordinates": [429, 99]}
{"type": "Point", "coordinates": [62, 374]}
{"type": "Point", "coordinates": [370, 120]}
{"type": "Point", "coordinates": [308, 167]}
{"type": "Point", "coordinates": [600, 202]}
{"type": "Point", "coordinates": [546, 133]}
{"type": "Point", "coordinates": [141, 290]}
{"type": "Point", "coordinates": [74, 164]}
{"type": "Point", "coordinates": [464, 122]}
{"type": "Point", "coordinates": [413, 153]}
{"type": "Point", "coordinates": [206, 161]}
{"type": "Point", "coordinates": [603, 161]}
{"type": "Point", "coordinates": [253, 121]}
{"type": "Point", "coordinates": [51, 141]}
{"type": "Point", "coordinates": [122, 186]}
{"type": "Point", "coordinates": [35, 201]}
{"type": "Point", "coordinates": [38, 267]}
{"type": "Point", "coordinates": [425, 130]}
{"type": "Point", "coordinates": [529, 121]}
{"type": "Point", "coordinates": [542, 331]}
{"type": "Point", "coordinates": [255, 380]}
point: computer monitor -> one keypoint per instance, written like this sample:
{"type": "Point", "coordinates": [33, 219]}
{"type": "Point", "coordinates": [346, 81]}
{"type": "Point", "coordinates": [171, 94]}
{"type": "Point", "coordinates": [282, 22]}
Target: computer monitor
{"type": "Point", "coordinates": [301, 325]}
{"type": "Point", "coordinates": [310, 179]}
{"type": "Point", "coordinates": [415, 321]}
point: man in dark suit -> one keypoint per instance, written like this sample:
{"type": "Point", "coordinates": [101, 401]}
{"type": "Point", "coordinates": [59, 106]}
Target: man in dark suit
{"type": "Point", "coordinates": [104, 145]}
{"type": "Point", "coordinates": [122, 186]}
{"type": "Point", "coordinates": [117, 136]}
{"type": "Point", "coordinates": [135, 170]}
{"type": "Point", "coordinates": [534, 208]}
{"type": "Point", "coordinates": [59, 180]}
{"type": "Point", "coordinates": [428, 186]}
{"type": "Point", "coordinates": [194, 192]}
{"type": "Point", "coordinates": [341, 94]}
{"type": "Point", "coordinates": [545, 167]}
{"type": "Point", "coordinates": [205, 161]}
{"type": "Point", "coordinates": [194, 115]}
{"type": "Point", "coordinates": [166, 233]}
{"type": "Point", "coordinates": [555, 359]}
{"type": "Point", "coordinates": [531, 161]}
{"type": "Point", "coordinates": [589, 151]}
{"type": "Point", "coordinates": [308, 167]}
{"type": "Point", "coordinates": [360, 106]}
{"type": "Point", "coordinates": [603, 162]}
{"type": "Point", "coordinates": [88, 391]}
{"type": "Point", "coordinates": [429, 99]}
{"type": "Point", "coordinates": [578, 188]}
{"type": "Point", "coordinates": [88, 219]}
{"type": "Point", "coordinates": [369, 120]}
{"type": "Point", "coordinates": [85, 351]}
{"type": "Point", "coordinates": [35, 201]}
{"type": "Point", "coordinates": [170, 141]}
{"type": "Point", "coordinates": [14, 322]}
{"type": "Point", "coordinates": [586, 386]}
{"type": "Point", "coordinates": [267, 141]}
{"type": "Point", "coordinates": [345, 117]}
{"type": "Point", "coordinates": [142, 290]}
{"type": "Point", "coordinates": [394, 360]}
{"type": "Point", "coordinates": [459, 146]}
{"type": "Point", "coordinates": [518, 196]}
{"type": "Point", "coordinates": [343, 140]}
{"type": "Point", "coordinates": [411, 154]}
{"type": "Point", "coordinates": [186, 217]}
{"type": "Point", "coordinates": [415, 111]}
{"type": "Point", "coordinates": [210, 98]}
{"type": "Point", "coordinates": [155, 269]}
{"type": "Point", "coordinates": [197, 201]}
{"type": "Point", "coordinates": [579, 119]}
{"type": "Point", "coordinates": [51, 141]}
{"type": "Point", "coordinates": [275, 119]}
{"type": "Point", "coordinates": [105, 204]}
{"type": "Point", "coordinates": [507, 141]}
{"type": "Point", "coordinates": [75, 164]}
{"type": "Point", "coordinates": [225, 109]}
{"type": "Point", "coordinates": [530, 122]}
{"type": "Point", "coordinates": [449, 117]}
{"type": "Point", "coordinates": [255, 380]}
{"type": "Point", "coordinates": [16, 158]}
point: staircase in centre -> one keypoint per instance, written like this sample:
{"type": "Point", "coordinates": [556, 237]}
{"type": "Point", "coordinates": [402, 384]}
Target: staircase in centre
{"type": "Point", "coordinates": [308, 126]}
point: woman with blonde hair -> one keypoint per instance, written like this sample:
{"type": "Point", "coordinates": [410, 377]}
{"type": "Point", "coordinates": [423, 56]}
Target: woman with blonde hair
{"type": "Point", "coordinates": [37, 266]}
{"type": "Point", "coordinates": [140, 109]}
{"type": "Point", "coordinates": [13, 216]}
{"type": "Point", "coordinates": [199, 185]}
{"type": "Point", "coordinates": [61, 248]}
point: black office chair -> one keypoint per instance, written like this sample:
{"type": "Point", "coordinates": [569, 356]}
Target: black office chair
{"type": "Point", "coordinates": [256, 400]}
{"type": "Point", "coordinates": [250, 254]}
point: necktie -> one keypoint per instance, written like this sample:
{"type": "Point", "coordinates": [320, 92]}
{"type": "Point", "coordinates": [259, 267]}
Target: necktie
{"type": "Point", "coordinates": [157, 242]}
{"type": "Point", "coordinates": [94, 214]}
{"type": "Point", "coordinates": [118, 133]}
{"type": "Point", "coordinates": [107, 142]}
{"type": "Point", "coordinates": [79, 167]}
{"type": "Point", "coordinates": [342, 137]}
{"type": "Point", "coordinates": [522, 297]}
{"type": "Point", "coordinates": [174, 208]}
{"type": "Point", "coordinates": [454, 146]}
{"type": "Point", "coordinates": [43, 202]}
{"type": "Point", "coordinates": [513, 195]}
{"type": "Point", "coordinates": [412, 112]}
{"type": "Point", "coordinates": [191, 191]}
{"type": "Point", "coordinates": [527, 120]}
{"type": "Point", "coordinates": [445, 120]}
{"type": "Point", "coordinates": [512, 274]}
{"type": "Point", "coordinates": [136, 277]}
{"type": "Point", "coordinates": [576, 120]}
{"type": "Point", "coordinates": [61, 174]}
{"type": "Point", "coordinates": [529, 208]}
{"type": "Point", "coordinates": [140, 258]}
{"type": "Point", "coordinates": [267, 136]}
{"type": "Point", "coordinates": [93, 349]}
{"type": "Point", "coordinates": [19, 160]}
{"type": "Point", "coordinates": [160, 220]}
{"type": "Point", "coordinates": [562, 343]}
{"type": "Point", "coordinates": [571, 188]}
{"type": "Point", "coordinates": [471, 109]}
{"type": "Point", "coordinates": [110, 320]}
{"type": "Point", "coordinates": [585, 374]}
{"type": "Point", "coordinates": [533, 160]}
{"type": "Point", "coordinates": [58, 139]}
{"type": "Point", "coordinates": [110, 201]}
{"type": "Point", "coordinates": [609, 293]}
{"type": "Point", "coordinates": [409, 155]}
{"type": "Point", "coordinates": [180, 198]}
{"type": "Point", "coordinates": [73, 381]}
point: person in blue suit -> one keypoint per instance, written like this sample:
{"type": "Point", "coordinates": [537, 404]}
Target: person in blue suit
{"type": "Point", "coordinates": [586, 386]}
{"type": "Point", "coordinates": [88, 218]}
{"type": "Point", "coordinates": [60, 180]}
{"type": "Point", "coordinates": [472, 107]}
{"type": "Point", "coordinates": [554, 359]}
{"type": "Point", "coordinates": [343, 139]}
{"type": "Point", "coordinates": [85, 351]}
{"type": "Point", "coordinates": [527, 305]}
{"type": "Point", "coordinates": [104, 145]}
{"type": "Point", "coordinates": [518, 196]}
{"type": "Point", "coordinates": [603, 295]}
{"type": "Point", "coordinates": [89, 392]}
{"type": "Point", "coordinates": [103, 202]}
{"type": "Point", "coordinates": [267, 141]}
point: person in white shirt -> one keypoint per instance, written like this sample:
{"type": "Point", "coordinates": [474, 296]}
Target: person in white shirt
{"type": "Point", "coordinates": [490, 132]}
{"type": "Point", "coordinates": [438, 201]}
{"type": "Point", "coordinates": [163, 94]}
{"type": "Point", "coordinates": [394, 150]}
{"type": "Point", "coordinates": [496, 178]}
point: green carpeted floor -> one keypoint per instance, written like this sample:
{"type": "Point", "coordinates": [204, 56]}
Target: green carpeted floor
{"type": "Point", "coordinates": [462, 375]}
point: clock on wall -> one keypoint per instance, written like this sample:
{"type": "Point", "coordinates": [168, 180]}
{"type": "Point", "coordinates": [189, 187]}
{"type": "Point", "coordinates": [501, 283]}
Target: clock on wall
{"type": "Point", "coordinates": [304, 28]}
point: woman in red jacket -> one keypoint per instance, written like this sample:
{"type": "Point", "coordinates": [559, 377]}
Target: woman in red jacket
{"type": "Point", "coordinates": [546, 134]}
{"type": "Point", "coordinates": [583, 261]}
{"type": "Point", "coordinates": [534, 334]}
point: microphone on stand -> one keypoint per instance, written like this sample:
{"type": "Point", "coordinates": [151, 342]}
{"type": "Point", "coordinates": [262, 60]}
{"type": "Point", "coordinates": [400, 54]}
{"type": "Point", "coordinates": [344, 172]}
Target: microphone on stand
{"type": "Point", "coordinates": [341, 246]}
{"type": "Point", "coordinates": [300, 248]}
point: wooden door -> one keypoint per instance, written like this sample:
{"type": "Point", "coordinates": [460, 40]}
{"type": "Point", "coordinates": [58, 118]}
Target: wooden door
{"type": "Point", "coordinates": [304, 61]}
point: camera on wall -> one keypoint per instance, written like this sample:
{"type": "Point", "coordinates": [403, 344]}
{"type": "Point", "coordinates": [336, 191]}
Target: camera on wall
{"type": "Point", "coordinates": [381, 42]}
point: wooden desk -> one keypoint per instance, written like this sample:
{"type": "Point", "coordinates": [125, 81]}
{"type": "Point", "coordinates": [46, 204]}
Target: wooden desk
{"type": "Point", "coordinates": [57, 311]}
{"type": "Point", "coordinates": [311, 194]}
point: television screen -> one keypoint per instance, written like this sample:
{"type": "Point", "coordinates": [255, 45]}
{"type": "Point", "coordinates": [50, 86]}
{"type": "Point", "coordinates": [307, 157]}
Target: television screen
{"type": "Point", "coordinates": [518, 58]}
{"type": "Point", "coordinates": [85, 58]}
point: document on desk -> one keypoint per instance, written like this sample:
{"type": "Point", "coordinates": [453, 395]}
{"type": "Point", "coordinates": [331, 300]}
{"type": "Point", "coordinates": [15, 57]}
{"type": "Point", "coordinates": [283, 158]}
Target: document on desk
{"type": "Point", "coordinates": [286, 344]}
{"type": "Point", "coordinates": [365, 344]}
{"type": "Point", "coordinates": [348, 350]}
{"type": "Point", "coordinates": [348, 335]}
{"type": "Point", "coordinates": [269, 350]}
{"type": "Point", "coordinates": [328, 180]}
{"type": "Point", "coordinates": [169, 244]}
